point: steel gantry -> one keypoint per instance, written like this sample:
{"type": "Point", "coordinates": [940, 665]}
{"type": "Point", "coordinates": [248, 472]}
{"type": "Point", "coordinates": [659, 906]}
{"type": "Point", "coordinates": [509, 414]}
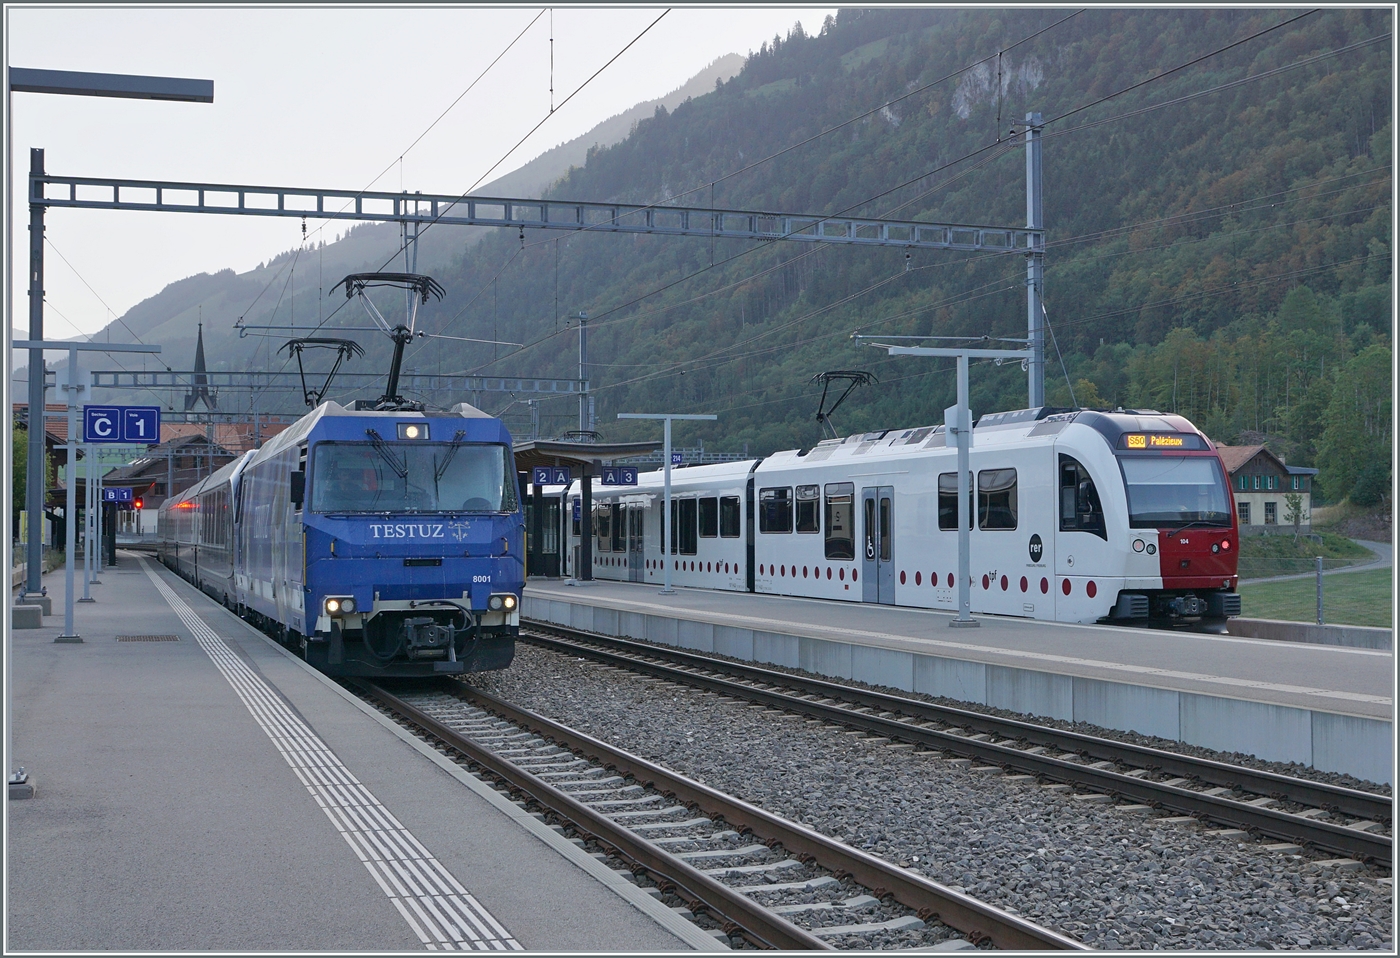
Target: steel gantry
{"type": "Point", "coordinates": [261, 380]}
{"type": "Point", "coordinates": [116, 193]}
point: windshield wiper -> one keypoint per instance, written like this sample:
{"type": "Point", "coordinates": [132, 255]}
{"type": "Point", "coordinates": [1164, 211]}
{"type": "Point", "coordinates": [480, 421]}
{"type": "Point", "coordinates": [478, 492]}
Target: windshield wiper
{"type": "Point", "coordinates": [1194, 522]}
{"type": "Point", "coordinates": [447, 459]}
{"type": "Point", "coordinates": [381, 447]}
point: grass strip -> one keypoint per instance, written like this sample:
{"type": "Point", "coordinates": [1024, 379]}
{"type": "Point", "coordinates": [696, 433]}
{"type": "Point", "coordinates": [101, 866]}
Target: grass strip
{"type": "Point", "coordinates": [1350, 598]}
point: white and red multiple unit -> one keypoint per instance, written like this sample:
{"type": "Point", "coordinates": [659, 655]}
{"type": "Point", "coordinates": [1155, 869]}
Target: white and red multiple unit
{"type": "Point", "coordinates": [1078, 516]}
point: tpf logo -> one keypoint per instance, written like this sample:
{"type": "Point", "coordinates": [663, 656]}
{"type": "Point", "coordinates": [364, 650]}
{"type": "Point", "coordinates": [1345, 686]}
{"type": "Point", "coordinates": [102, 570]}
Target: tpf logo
{"type": "Point", "coordinates": [1037, 548]}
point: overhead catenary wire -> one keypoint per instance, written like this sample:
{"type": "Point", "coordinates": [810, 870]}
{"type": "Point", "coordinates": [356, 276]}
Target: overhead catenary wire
{"type": "Point", "coordinates": [711, 184]}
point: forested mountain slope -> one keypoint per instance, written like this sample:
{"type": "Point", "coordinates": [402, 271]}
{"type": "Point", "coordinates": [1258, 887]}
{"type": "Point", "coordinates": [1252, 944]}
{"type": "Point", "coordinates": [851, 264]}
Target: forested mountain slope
{"type": "Point", "coordinates": [1219, 234]}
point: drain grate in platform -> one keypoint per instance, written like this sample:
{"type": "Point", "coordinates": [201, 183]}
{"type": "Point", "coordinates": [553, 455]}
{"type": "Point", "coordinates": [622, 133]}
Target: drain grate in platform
{"type": "Point", "coordinates": [148, 638]}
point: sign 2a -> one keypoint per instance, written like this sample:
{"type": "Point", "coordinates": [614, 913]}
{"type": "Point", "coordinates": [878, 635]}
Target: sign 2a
{"type": "Point", "coordinates": [129, 424]}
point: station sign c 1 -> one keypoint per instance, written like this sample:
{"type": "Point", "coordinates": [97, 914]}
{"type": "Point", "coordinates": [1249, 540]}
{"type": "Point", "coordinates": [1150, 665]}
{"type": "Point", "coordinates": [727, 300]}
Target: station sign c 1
{"type": "Point", "coordinates": [129, 424]}
{"type": "Point", "coordinates": [549, 476]}
{"type": "Point", "coordinates": [619, 476]}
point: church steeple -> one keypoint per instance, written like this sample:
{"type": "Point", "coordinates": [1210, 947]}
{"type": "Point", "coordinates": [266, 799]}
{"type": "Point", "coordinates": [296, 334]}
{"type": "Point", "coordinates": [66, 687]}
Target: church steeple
{"type": "Point", "coordinates": [199, 389]}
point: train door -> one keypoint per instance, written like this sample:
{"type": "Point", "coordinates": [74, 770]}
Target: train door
{"type": "Point", "coordinates": [877, 508]}
{"type": "Point", "coordinates": [1081, 543]}
{"type": "Point", "coordinates": [636, 542]}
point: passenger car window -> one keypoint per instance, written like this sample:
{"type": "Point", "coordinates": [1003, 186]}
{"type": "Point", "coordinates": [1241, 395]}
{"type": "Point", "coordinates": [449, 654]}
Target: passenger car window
{"type": "Point", "coordinates": [948, 500]}
{"type": "Point", "coordinates": [840, 521]}
{"type": "Point", "coordinates": [996, 499]}
{"type": "Point", "coordinates": [729, 521]}
{"type": "Point", "coordinates": [775, 509]}
{"type": "Point", "coordinates": [807, 503]}
{"type": "Point", "coordinates": [709, 518]}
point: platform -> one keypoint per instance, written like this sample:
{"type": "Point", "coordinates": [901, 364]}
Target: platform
{"type": "Point", "coordinates": [210, 792]}
{"type": "Point", "coordinates": [1325, 706]}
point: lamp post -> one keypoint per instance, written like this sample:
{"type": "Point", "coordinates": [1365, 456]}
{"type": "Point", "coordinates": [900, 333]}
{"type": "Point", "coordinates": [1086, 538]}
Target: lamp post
{"type": "Point", "coordinates": [957, 419]}
{"type": "Point", "coordinates": [71, 83]}
{"type": "Point", "coordinates": [666, 530]}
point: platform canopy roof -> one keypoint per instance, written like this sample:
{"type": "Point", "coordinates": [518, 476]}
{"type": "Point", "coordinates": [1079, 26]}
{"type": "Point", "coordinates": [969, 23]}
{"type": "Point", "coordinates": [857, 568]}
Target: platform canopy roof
{"type": "Point", "coordinates": [561, 452]}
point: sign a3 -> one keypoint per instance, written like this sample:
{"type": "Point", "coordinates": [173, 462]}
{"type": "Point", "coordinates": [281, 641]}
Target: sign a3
{"type": "Point", "coordinates": [138, 424]}
{"type": "Point", "coordinates": [619, 476]}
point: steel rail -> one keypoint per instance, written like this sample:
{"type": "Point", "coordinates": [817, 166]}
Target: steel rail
{"type": "Point", "coordinates": [1337, 838]}
{"type": "Point", "coordinates": [763, 925]}
{"type": "Point", "coordinates": [1348, 801]}
{"type": "Point", "coordinates": [978, 920]}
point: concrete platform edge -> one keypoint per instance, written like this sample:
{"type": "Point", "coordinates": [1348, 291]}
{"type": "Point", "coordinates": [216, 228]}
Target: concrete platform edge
{"type": "Point", "coordinates": [1328, 741]}
{"type": "Point", "coordinates": [684, 930]}
{"type": "Point", "coordinates": [1353, 636]}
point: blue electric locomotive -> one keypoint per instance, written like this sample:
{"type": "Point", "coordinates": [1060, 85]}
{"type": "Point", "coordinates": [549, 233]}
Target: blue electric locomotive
{"type": "Point", "coordinates": [378, 542]}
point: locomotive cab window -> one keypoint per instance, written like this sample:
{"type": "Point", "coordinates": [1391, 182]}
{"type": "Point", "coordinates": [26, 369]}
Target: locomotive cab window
{"type": "Point", "coordinates": [840, 520]}
{"type": "Point", "coordinates": [729, 521]}
{"type": "Point", "coordinates": [1175, 490]}
{"type": "Point", "coordinates": [948, 500]}
{"type": "Point", "coordinates": [996, 499]}
{"type": "Point", "coordinates": [775, 510]}
{"type": "Point", "coordinates": [709, 518]}
{"type": "Point", "coordinates": [807, 503]}
{"type": "Point", "coordinates": [1081, 510]}
{"type": "Point", "coordinates": [381, 477]}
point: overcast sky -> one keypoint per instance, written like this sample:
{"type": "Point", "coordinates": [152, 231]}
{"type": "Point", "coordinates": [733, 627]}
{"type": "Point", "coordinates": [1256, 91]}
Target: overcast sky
{"type": "Point", "coordinates": [316, 97]}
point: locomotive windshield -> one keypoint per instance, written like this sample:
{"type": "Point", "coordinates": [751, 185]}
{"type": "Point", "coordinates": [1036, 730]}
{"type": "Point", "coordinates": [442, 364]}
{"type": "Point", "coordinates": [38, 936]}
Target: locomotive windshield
{"type": "Point", "coordinates": [1171, 490]}
{"type": "Point", "coordinates": [411, 477]}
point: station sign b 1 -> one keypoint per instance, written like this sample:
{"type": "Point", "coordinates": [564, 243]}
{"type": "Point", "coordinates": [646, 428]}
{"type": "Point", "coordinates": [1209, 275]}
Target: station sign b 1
{"type": "Point", "coordinates": [129, 424]}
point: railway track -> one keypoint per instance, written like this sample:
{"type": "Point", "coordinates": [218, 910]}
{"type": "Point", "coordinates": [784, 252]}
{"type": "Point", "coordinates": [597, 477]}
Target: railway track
{"type": "Point", "coordinates": [1338, 820]}
{"type": "Point", "coordinates": [776, 883]}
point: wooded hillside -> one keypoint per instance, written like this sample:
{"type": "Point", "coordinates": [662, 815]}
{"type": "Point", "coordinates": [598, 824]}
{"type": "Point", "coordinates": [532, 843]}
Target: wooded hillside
{"type": "Point", "coordinates": [1218, 218]}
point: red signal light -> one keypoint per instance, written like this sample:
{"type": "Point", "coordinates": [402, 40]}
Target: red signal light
{"type": "Point", "coordinates": [136, 504]}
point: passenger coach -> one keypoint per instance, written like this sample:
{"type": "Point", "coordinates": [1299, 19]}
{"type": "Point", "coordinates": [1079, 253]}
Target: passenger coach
{"type": "Point", "coordinates": [1078, 516]}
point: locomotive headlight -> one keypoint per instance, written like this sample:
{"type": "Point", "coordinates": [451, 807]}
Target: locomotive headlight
{"type": "Point", "coordinates": [1225, 546]}
{"type": "Point", "coordinates": [339, 604]}
{"type": "Point", "coordinates": [413, 430]}
{"type": "Point", "coordinates": [1138, 545]}
{"type": "Point", "coordinates": [502, 602]}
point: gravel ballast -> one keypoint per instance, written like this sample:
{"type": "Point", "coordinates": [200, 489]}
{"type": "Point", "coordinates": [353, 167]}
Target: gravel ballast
{"type": "Point", "coordinates": [1111, 878]}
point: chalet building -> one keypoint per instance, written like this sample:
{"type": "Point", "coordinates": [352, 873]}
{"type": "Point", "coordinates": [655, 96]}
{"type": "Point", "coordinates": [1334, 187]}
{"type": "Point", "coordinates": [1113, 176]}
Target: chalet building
{"type": "Point", "coordinates": [1260, 481]}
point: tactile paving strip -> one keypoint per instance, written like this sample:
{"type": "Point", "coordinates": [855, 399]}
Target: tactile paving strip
{"type": "Point", "coordinates": [441, 912]}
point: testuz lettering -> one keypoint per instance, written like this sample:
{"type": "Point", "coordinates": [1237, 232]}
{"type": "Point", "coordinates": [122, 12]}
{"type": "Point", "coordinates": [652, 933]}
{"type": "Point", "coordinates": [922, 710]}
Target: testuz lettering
{"type": "Point", "coordinates": [401, 530]}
